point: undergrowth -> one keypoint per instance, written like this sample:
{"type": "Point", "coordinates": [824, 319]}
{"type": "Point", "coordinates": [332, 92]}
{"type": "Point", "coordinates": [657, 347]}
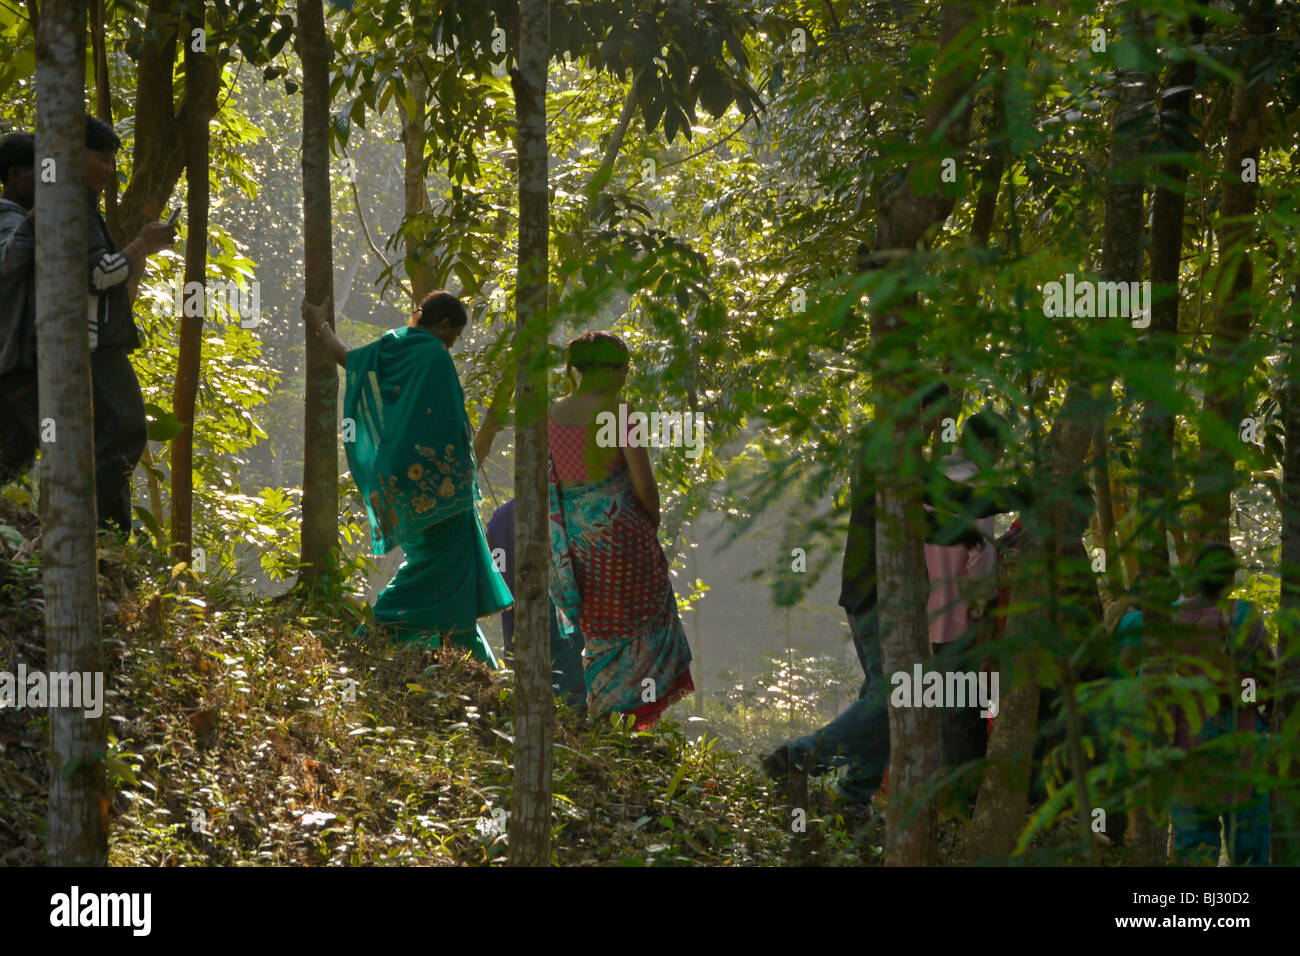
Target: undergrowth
{"type": "Point", "coordinates": [266, 733]}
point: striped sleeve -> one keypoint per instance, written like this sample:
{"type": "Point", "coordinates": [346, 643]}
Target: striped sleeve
{"type": "Point", "coordinates": [108, 267]}
{"type": "Point", "coordinates": [108, 270]}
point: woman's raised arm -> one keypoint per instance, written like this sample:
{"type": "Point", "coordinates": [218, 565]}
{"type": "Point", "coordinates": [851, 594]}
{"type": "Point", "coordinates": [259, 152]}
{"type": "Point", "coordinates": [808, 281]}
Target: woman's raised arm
{"type": "Point", "coordinates": [314, 316]}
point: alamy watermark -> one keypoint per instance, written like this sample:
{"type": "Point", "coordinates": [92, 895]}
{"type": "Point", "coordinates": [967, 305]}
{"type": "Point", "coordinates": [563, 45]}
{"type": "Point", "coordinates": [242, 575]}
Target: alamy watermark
{"type": "Point", "coordinates": [947, 689]}
{"type": "Point", "coordinates": [1086, 299]}
{"type": "Point", "coordinates": [654, 430]}
{"type": "Point", "coordinates": [75, 909]}
{"type": "Point", "coordinates": [35, 689]}
{"type": "Point", "coordinates": [197, 300]}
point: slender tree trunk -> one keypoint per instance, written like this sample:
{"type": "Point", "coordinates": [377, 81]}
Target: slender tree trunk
{"type": "Point", "coordinates": [603, 171]}
{"type": "Point", "coordinates": [1004, 795]}
{"type": "Point", "coordinates": [994, 165]}
{"type": "Point", "coordinates": [906, 215]}
{"type": "Point", "coordinates": [197, 66]}
{"type": "Point", "coordinates": [1003, 798]}
{"type": "Point", "coordinates": [1225, 398]}
{"type": "Point", "coordinates": [1286, 819]}
{"type": "Point", "coordinates": [915, 733]}
{"type": "Point", "coordinates": [1157, 481]}
{"type": "Point", "coordinates": [158, 157]}
{"type": "Point", "coordinates": [1125, 523]}
{"type": "Point", "coordinates": [79, 796]}
{"type": "Point", "coordinates": [530, 822]}
{"type": "Point", "coordinates": [697, 629]}
{"type": "Point", "coordinates": [418, 268]}
{"type": "Point", "coordinates": [103, 93]}
{"type": "Point", "coordinates": [320, 471]}
{"type": "Point", "coordinates": [1075, 611]}
{"type": "Point", "coordinates": [1114, 574]}
{"type": "Point", "coordinates": [155, 497]}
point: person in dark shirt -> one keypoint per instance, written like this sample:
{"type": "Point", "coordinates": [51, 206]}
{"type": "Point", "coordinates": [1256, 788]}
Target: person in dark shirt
{"type": "Point", "coordinates": [566, 651]}
{"type": "Point", "coordinates": [19, 431]}
{"type": "Point", "coordinates": [114, 275]}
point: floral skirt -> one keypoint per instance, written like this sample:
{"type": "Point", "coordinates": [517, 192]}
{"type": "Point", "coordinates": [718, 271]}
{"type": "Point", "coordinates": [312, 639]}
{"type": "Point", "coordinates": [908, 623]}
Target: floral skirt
{"type": "Point", "coordinates": [446, 583]}
{"type": "Point", "coordinates": [609, 578]}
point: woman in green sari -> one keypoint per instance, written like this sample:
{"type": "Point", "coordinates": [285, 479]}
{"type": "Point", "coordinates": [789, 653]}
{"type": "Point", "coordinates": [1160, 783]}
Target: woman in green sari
{"type": "Point", "coordinates": [412, 458]}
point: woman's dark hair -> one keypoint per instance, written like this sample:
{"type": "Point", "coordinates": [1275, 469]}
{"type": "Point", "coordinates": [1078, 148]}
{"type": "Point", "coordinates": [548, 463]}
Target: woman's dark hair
{"type": "Point", "coordinates": [597, 349]}
{"type": "Point", "coordinates": [100, 136]}
{"type": "Point", "coordinates": [1213, 569]}
{"type": "Point", "coordinates": [986, 425]}
{"type": "Point", "coordinates": [440, 305]}
{"type": "Point", "coordinates": [16, 149]}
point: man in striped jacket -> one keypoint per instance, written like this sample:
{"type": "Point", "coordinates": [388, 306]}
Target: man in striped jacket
{"type": "Point", "coordinates": [120, 429]}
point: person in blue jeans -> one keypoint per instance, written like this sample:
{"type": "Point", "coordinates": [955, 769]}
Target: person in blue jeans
{"type": "Point", "coordinates": [1247, 825]}
{"type": "Point", "coordinates": [566, 649]}
{"type": "Point", "coordinates": [859, 737]}
{"type": "Point", "coordinates": [1233, 635]}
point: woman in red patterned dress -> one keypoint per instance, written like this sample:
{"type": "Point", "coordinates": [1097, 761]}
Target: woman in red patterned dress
{"type": "Point", "coordinates": [609, 575]}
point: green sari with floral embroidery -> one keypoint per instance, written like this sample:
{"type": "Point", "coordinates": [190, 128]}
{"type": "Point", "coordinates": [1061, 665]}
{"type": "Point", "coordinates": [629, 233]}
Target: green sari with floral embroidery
{"type": "Point", "coordinates": [409, 445]}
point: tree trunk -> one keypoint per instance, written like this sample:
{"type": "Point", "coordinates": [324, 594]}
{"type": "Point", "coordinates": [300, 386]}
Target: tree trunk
{"type": "Point", "coordinates": [418, 268]}
{"type": "Point", "coordinates": [1157, 481]}
{"type": "Point", "coordinates": [155, 497]}
{"type": "Point", "coordinates": [79, 795]}
{"type": "Point", "coordinates": [1224, 395]}
{"type": "Point", "coordinates": [1286, 820]}
{"type": "Point", "coordinates": [1114, 575]}
{"type": "Point", "coordinates": [1003, 799]}
{"type": "Point", "coordinates": [1075, 610]}
{"type": "Point", "coordinates": [320, 470]}
{"type": "Point", "coordinates": [596, 186]}
{"type": "Point", "coordinates": [1004, 794]}
{"type": "Point", "coordinates": [530, 822]}
{"type": "Point", "coordinates": [995, 162]}
{"type": "Point", "coordinates": [103, 93]}
{"type": "Point", "coordinates": [906, 215]}
{"type": "Point", "coordinates": [198, 66]}
{"type": "Point", "coordinates": [159, 153]}
{"type": "Point", "coordinates": [1125, 523]}
{"type": "Point", "coordinates": [915, 733]}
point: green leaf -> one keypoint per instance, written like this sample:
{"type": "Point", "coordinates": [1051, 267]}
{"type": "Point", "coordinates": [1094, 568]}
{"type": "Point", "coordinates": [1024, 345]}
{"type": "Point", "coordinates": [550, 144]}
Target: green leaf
{"type": "Point", "coordinates": [149, 521]}
{"type": "Point", "coordinates": [676, 781]}
{"type": "Point", "coordinates": [163, 425]}
{"type": "Point", "coordinates": [277, 42]}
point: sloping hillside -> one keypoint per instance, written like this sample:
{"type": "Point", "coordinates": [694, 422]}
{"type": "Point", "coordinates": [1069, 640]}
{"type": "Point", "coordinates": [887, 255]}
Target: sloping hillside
{"type": "Point", "coordinates": [269, 734]}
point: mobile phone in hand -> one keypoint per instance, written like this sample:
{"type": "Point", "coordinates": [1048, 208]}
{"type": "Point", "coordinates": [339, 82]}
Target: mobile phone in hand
{"type": "Point", "coordinates": [174, 217]}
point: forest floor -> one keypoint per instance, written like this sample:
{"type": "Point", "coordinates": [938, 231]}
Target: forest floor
{"type": "Point", "coordinates": [268, 734]}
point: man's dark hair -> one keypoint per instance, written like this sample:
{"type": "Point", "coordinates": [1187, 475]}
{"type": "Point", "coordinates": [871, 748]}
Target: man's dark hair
{"type": "Point", "coordinates": [100, 136]}
{"type": "Point", "coordinates": [16, 149]}
{"type": "Point", "coordinates": [934, 393]}
{"type": "Point", "coordinates": [1213, 569]}
{"type": "Point", "coordinates": [440, 305]}
{"type": "Point", "coordinates": [592, 349]}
